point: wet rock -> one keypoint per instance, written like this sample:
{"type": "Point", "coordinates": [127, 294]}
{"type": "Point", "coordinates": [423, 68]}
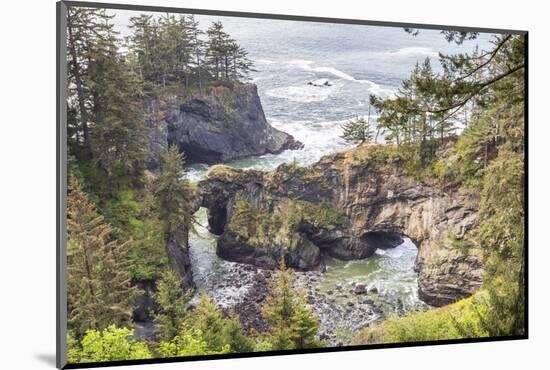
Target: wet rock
{"type": "Point", "coordinates": [360, 289]}
{"type": "Point", "coordinates": [373, 290]}
{"type": "Point", "coordinates": [224, 125]}
{"type": "Point", "coordinates": [377, 310]}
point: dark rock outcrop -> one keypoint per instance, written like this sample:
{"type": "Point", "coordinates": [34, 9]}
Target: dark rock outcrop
{"type": "Point", "coordinates": [178, 255]}
{"type": "Point", "coordinates": [347, 205]}
{"type": "Point", "coordinates": [145, 304]}
{"type": "Point", "coordinates": [220, 125]}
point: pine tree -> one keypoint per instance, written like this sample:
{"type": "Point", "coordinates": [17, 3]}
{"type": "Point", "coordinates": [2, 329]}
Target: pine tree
{"type": "Point", "coordinates": [217, 50]}
{"type": "Point", "coordinates": [87, 30]}
{"type": "Point", "coordinates": [209, 321]}
{"type": "Point", "coordinates": [119, 137]}
{"type": "Point", "coordinates": [174, 194]}
{"type": "Point", "coordinates": [238, 63]}
{"type": "Point", "coordinates": [99, 291]}
{"type": "Point", "coordinates": [235, 337]}
{"type": "Point", "coordinates": [143, 42]}
{"type": "Point", "coordinates": [357, 131]}
{"type": "Point", "coordinates": [197, 46]}
{"type": "Point", "coordinates": [292, 324]}
{"type": "Point", "coordinates": [172, 301]}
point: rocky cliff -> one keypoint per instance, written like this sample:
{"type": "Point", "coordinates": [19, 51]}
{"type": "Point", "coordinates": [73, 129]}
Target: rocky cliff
{"type": "Point", "coordinates": [177, 250]}
{"type": "Point", "coordinates": [219, 125]}
{"type": "Point", "coordinates": [347, 205]}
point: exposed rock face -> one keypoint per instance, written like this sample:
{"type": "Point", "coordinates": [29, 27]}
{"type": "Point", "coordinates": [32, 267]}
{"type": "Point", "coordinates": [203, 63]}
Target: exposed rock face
{"type": "Point", "coordinates": [145, 303]}
{"type": "Point", "coordinates": [347, 205]}
{"type": "Point", "coordinates": [221, 125]}
{"type": "Point", "coordinates": [178, 255]}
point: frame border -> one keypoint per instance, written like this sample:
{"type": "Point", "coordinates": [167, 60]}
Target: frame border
{"type": "Point", "coordinates": [61, 188]}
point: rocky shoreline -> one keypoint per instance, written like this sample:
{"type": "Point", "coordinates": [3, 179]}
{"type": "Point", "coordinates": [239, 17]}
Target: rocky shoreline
{"type": "Point", "coordinates": [342, 311]}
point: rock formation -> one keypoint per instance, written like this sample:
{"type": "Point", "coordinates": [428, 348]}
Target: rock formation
{"type": "Point", "coordinates": [347, 205]}
{"type": "Point", "coordinates": [220, 125]}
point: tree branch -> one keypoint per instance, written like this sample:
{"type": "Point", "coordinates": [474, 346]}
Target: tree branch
{"type": "Point", "coordinates": [479, 87]}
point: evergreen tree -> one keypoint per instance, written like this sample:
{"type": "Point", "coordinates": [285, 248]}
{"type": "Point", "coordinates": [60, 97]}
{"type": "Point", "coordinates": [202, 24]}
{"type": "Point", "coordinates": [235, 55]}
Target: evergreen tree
{"type": "Point", "coordinates": [357, 131]}
{"type": "Point", "coordinates": [236, 338]}
{"type": "Point", "coordinates": [219, 332]}
{"type": "Point", "coordinates": [174, 194]}
{"type": "Point", "coordinates": [240, 65]}
{"type": "Point", "coordinates": [87, 30]}
{"type": "Point", "coordinates": [491, 155]}
{"type": "Point", "coordinates": [172, 301]}
{"type": "Point", "coordinates": [119, 137]}
{"type": "Point", "coordinates": [217, 49]}
{"type": "Point", "coordinates": [209, 321]}
{"type": "Point", "coordinates": [225, 58]}
{"type": "Point", "coordinates": [292, 324]}
{"type": "Point", "coordinates": [143, 42]}
{"type": "Point", "coordinates": [197, 48]}
{"type": "Point", "coordinates": [99, 292]}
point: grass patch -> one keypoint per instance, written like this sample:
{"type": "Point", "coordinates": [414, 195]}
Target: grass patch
{"type": "Point", "coordinates": [462, 319]}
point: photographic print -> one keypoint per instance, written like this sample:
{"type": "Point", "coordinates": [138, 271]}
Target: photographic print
{"type": "Point", "coordinates": [239, 185]}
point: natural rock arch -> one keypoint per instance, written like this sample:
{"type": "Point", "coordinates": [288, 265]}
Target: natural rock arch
{"type": "Point", "coordinates": [378, 204]}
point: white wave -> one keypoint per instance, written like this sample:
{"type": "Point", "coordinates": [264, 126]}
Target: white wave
{"type": "Point", "coordinates": [265, 61]}
{"type": "Point", "coordinates": [407, 52]}
{"type": "Point", "coordinates": [304, 94]}
{"type": "Point", "coordinates": [307, 65]}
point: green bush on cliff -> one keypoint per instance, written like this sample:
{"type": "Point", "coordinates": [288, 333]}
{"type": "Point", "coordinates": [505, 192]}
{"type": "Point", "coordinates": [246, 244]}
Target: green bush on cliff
{"type": "Point", "coordinates": [279, 227]}
{"type": "Point", "coordinates": [376, 157]}
{"type": "Point", "coordinates": [135, 218]}
{"type": "Point", "coordinates": [463, 319]}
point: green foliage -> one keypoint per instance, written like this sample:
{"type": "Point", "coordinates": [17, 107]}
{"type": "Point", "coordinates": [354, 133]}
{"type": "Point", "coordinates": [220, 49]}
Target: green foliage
{"type": "Point", "coordinates": [119, 137]}
{"type": "Point", "coordinates": [110, 344]}
{"type": "Point", "coordinates": [174, 194]}
{"type": "Point", "coordinates": [133, 214]}
{"type": "Point", "coordinates": [209, 321]}
{"type": "Point", "coordinates": [292, 324]}
{"type": "Point", "coordinates": [187, 344]}
{"type": "Point", "coordinates": [204, 331]}
{"type": "Point", "coordinates": [99, 292]}
{"type": "Point", "coordinates": [463, 319]}
{"type": "Point", "coordinates": [172, 301]}
{"type": "Point", "coordinates": [235, 336]}
{"type": "Point", "coordinates": [357, 131]}
{"type": "Point", "coordinates": [487, 162]}
{"type": "Point", "coordinates": [501, 234]}
{"type": "Point", "coordinates": [171, 50]}
{"type": "Point", "coordinates": [225, 58]}
{"type": "Point", "coordinates": [277, 227]}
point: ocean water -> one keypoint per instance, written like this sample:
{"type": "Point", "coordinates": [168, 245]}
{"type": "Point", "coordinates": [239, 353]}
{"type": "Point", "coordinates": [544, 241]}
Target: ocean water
{"type": "Point", "coordinates": [356, 61]}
